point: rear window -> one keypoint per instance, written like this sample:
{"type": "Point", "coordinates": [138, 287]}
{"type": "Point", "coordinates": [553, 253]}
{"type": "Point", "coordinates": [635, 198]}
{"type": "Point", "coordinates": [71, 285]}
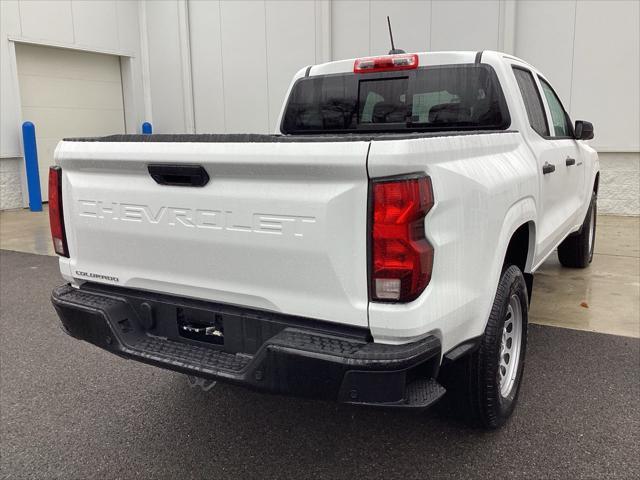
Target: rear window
{"type": "Point", "coordinates": [435, 98]}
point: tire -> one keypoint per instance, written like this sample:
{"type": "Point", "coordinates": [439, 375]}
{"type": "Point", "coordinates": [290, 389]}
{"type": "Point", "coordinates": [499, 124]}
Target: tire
{"type": "Point", "coordinates": [576, 251]}
{"type": "Point", "coordinates": [483, 385]}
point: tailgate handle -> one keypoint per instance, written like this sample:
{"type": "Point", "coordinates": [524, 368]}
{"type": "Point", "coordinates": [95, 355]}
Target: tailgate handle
{"type": "Point", "coordinates": [179, 175]}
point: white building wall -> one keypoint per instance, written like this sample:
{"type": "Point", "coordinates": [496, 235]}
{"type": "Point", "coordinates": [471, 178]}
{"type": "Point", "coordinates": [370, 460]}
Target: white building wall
{"type": "Point", "coordinates": [590, 51]}
{"type": "Point", "coordinates": [606, 72]}
{"type": "Point", "coordinates": [244, 53]}
{"type": "Point", "coordinates": [225, 65]}
{"type": "Point", "coordinates": [206, 66]}
{"type": "Point", "coordinates": [104, 26]}
{"type": "Point", "coordinates": [244, 65]}
{"type": "Point", "coordinates": [465, 25]}
{"type": "Point", "coordinates": [166, 52]}
{"type": "Point", "coordinates": [9, 97]}
{"type": "Point", "coordinates": [298, 41]}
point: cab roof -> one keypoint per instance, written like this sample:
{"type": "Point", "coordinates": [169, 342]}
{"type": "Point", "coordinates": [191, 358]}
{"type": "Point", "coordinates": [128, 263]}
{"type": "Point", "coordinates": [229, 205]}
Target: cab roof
{"type": "Point", "coordinates": [424, 59]}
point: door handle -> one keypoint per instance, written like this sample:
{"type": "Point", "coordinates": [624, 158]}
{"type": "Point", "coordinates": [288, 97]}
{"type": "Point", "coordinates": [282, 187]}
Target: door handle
{"type": "Point", "coordinates": [570, 161]}
{"type": "Point", "coordinates": [548, 168]}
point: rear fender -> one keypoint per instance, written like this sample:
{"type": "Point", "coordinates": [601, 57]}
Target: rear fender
{"type": "Point", "coordinates": [520, 213]}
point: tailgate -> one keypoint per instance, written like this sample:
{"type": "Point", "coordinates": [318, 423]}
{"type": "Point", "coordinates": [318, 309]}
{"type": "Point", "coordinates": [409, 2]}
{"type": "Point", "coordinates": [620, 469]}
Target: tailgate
{"type": "Point", "coordinates": [278, 226]}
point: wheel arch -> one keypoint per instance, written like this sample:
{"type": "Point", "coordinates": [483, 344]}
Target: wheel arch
{"type": "Point", "coordinates": [518, 236]}
{"type": "Point", "coordinates": [520, 252]}
{"type": "Point", "coordinates": [521, 247]}
{"type": "Point", "coordinates": [519, 239]}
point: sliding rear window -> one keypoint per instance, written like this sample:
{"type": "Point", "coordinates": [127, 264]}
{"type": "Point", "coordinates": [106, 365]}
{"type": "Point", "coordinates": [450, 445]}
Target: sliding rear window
{"type": "Point", "coordinates": [434, 98]}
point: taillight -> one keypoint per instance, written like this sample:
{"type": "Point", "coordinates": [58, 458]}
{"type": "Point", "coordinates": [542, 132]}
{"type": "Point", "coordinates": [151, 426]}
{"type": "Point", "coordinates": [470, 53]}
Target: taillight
{"type": "Point", "coordinates": [401, 257]}
{"type": "Point", "coordinates": [56, 218]}
{"type": "Point", "coordinates": [386, 63]}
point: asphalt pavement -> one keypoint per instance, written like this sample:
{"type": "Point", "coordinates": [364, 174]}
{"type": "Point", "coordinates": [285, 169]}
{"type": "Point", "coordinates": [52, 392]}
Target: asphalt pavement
{"type": "Point", "coordinates": [72, 411]}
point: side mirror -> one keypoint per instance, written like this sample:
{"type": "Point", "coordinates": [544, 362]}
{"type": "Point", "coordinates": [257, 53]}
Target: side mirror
{"type": "Point", "coordinates": [584, 130]}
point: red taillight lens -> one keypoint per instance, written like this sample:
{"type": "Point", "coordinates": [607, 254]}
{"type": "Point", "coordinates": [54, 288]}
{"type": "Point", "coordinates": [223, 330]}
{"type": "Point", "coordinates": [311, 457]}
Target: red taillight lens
{"type": "Point", "coordinates": [56, 219]}
{"type": "Point", "coordinates": [385, 63]}
{"type": "Point", "coordinates": [402, 258]}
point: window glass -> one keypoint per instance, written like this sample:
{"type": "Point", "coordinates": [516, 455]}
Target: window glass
{"type": "Point", "coordinates": [447, 97]}
{"type": "Point", "coordinates": [383, 101]}
{"type": "Point", "coordinates": [532, 101]}
{"type": "Point", "coordinates": [561, 127]}
{"type": "Point", "coordinates": [367, 112]}
{"type": "Point", "coordinates": [424, 102]}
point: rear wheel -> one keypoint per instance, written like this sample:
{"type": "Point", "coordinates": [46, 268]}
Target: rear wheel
{"type": "Point", "coordinates": [485, 385]}
{"type": "Point", "coordinates": [576, 251]}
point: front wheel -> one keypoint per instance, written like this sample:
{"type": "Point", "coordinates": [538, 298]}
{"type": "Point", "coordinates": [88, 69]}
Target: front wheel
{"type": "Point", "coordinates": [576, 251]}
{"type": "Point", "coordinates": [486, 383]}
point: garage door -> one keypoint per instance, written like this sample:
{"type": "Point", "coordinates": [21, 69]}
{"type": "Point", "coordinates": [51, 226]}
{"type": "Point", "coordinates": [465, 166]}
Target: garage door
{"type": "Point", "coordinates": [67, 93]}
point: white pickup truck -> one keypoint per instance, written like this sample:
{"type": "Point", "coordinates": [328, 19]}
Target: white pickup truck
{"type": "Point", "coordinates": [390, 227]}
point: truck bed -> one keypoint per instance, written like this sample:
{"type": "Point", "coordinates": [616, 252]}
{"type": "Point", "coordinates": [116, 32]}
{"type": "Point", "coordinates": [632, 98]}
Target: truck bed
{"type": "Point", "coordinates": [276, 138]}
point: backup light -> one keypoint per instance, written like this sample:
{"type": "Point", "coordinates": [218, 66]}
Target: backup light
{"type": "Point", "coordinates": [402, 258]}
{"type": "Point", "coordinates": [386, 63]}
{"type": "Point", "coordinates": [56, 218]}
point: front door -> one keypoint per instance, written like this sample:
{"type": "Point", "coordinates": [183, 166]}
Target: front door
{"type": "Point", "coordinates": [568, 156]}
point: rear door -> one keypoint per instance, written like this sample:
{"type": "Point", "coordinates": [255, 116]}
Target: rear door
{"type": "Point", "coordinates": [554, 200]}
{"type": "Point", "coordinates": [278, 226]}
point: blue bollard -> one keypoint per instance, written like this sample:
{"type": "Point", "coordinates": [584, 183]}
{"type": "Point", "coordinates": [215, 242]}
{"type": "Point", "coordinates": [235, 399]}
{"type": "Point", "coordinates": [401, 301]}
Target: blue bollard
{"type": "Point", "coordinates": [31, 164]}
{"type": "Point", "coordinates": [147, 129]}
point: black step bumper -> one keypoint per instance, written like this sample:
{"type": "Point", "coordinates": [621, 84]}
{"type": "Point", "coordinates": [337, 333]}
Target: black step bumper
{"type": "Point", "coordinates": [261, 350]}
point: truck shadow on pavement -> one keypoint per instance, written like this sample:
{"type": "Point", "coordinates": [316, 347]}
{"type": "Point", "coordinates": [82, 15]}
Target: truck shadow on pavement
{"type": "Point", "coordinates": [571, 417]}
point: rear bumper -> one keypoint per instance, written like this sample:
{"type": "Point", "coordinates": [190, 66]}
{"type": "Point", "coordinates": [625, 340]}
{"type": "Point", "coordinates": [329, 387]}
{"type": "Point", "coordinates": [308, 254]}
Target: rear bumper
{"type": "Point", "coordinates": [261, 350]}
